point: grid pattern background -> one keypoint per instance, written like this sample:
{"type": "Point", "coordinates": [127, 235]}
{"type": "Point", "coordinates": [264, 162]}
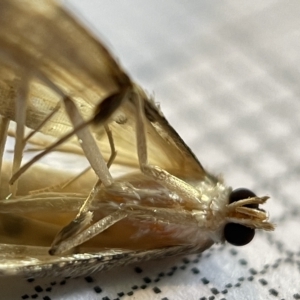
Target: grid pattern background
{"type": "Point", "coordinates": [226, 74]}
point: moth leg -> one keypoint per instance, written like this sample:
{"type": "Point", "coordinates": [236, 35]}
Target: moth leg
{"type": "Point", "coordinates": [86, 205]}
{"type": "Point", "coordinates": [88, 233]}
{"type": "Point", "coordinates": [84, 216]}
{"type": "Point", "coordinates": [180, 187]}
{"type": "Point", "coordinates": [22, 89]}
{"type": "Point", "coordinates": [65, 184]}
{"type": "Point", "coordinates": [88, 144]}
{"type": "Point", "coordinates": [112, 146]}
{"type": "Point", "coordinates": [17, 172]}
{"type": "Point", "coordinates": [50, 148]}
{"type": "Point", "coordinates": [21, 142]}
{"type": "Point", "coordinates": [4, 123]}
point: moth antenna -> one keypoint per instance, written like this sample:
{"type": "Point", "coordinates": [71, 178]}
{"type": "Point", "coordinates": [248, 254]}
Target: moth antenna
{"type": "Point", "coordinates": [41, 142]}
{"type": "Point", "coordinates": [55, 110]}
{"type": "Point", "coordinates": [61, 186]}
{"type": "Point", "coordinates": [70, 181]}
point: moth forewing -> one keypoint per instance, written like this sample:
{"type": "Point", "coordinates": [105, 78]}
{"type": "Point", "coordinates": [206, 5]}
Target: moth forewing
{"type": "Point", "coordinates": [168, 204]}
{"type": "Point", "coordinates": [54, 53]}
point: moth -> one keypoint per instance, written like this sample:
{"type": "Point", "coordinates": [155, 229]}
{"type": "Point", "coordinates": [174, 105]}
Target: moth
{"type": "Point", "coordinates": [142, 195]}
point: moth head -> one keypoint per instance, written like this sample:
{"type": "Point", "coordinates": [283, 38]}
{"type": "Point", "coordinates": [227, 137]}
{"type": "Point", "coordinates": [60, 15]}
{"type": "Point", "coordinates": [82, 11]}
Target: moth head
{"type": "Point", "coordinates": [244, 216]}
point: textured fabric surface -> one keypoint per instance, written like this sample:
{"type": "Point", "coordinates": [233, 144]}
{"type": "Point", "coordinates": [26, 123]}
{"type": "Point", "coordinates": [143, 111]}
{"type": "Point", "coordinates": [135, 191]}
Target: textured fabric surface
{"type": "Point", "coordinates": [227, 77]}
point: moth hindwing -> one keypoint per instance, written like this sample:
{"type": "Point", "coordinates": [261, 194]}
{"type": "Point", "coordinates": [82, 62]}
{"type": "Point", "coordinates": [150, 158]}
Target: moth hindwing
{"type": "Point", "coordinates": [134, 190]}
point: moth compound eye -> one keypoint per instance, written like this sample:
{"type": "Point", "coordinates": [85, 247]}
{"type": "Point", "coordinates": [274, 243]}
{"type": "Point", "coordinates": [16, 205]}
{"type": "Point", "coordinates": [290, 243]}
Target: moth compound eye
{"type": "Point", "coordinates": [240, 194]}
{"type": "Point", "coordinates": [237, 234]}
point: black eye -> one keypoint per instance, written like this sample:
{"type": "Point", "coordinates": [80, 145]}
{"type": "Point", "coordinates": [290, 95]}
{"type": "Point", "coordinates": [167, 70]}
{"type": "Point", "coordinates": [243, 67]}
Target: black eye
{"type": "Point", "coordinates": [237, 234]}
{"type": "Point", "coordinates": [240, 194]}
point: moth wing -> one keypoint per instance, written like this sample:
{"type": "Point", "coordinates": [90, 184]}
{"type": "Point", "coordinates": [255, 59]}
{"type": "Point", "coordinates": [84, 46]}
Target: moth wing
{"type": "Point", "coordinates": [47, 41]}
{"type": "Point", "coordinates": [165, 147]}
{"type": "Point", "coordinates": [65, 53]}
{"type": "Point", "coordinates": [85, 263]}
